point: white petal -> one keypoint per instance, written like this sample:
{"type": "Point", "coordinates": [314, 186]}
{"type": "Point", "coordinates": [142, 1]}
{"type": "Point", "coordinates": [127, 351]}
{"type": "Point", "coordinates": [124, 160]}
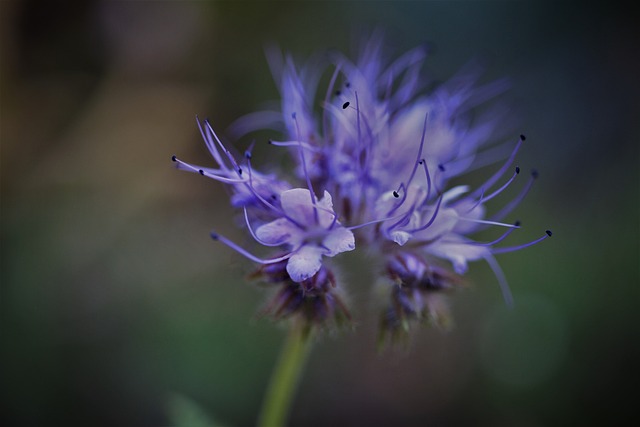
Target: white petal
{"type": "Point", "coordinates": [443, 224]}
{"type": "Point", "coordinates": [339, 240]}
{"type": "Point", "coordinates": [326, 203]}
{"type": "Point", "coordinates": [400, 237]}
{"type": "Point", "coordinates": [296, 203]}
{"type": "Point", "coordinates": [458, 253]}
{"type": "Point", "coordinates": [279, 231]}
{"type": "Point", "coordinates": [305, 263]}
{"type": "Point", "coordinates": [454, 193]}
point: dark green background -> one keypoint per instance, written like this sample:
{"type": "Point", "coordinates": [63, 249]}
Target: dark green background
{"type": "Point", "coordinates": [117, 309]}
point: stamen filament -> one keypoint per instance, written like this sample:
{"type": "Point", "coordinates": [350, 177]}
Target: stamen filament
{"type": "Point", "coordinates": [489, 183]}
{"type": "Point", "coordinates": [482, 221]}
{"type": "Point", "coordinates": [304, 168]}
{"type": "Point", "coordinates": [304, 145]}
{"type": "Point", "coordinates": [253, 234]}
{"type": "Point", "coordinates": [516, 201]}
{"type": "Point", "coordinates": [501, 189]}
{"type": "Point", "coordinates": [502, 280]}
{"type": "Point", "coordinates": [433, 218]}
{"type": "Point", "coordinates": [525, 245]}
{"type": "Point", "coordinates": [415, 166]}
{"type": "Point", "coordinates": [242, 251]}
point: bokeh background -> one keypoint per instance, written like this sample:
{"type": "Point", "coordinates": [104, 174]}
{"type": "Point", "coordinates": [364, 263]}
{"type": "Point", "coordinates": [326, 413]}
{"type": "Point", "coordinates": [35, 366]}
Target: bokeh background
{"type": "Point", "coordinates": [117, 309]}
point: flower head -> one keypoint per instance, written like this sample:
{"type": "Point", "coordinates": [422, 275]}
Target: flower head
{"type": "Point", "coordinates": [382, 154]}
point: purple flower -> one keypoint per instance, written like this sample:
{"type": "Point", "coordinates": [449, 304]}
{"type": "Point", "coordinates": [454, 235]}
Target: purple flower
{"type": "Point", "coordinates": [310, 228]}
{"type": "Point", "coordinates": [382, 154]}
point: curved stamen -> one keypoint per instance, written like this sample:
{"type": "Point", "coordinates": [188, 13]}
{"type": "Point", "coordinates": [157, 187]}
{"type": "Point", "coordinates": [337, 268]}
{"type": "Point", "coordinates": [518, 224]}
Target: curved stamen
{"type": "Point", "coordinates": [268, 204]}
{"type": "Point", "coordinates": [426, 171]}
{"type": "Point", "coordinates": [546, 235]}
{"type": "Point", "coordinates": [415, 166]}
{"type": "Point", "coordinates": [433, 218]}
{"type": "Point", "coordinates": [483, 221]}
{"type": "Point", "coordinates": [516, 201]}
{"type": "Point", "coordinates": [502, 280]}
{"type": "Point", "coordinates": [210, 144]}
{"type": "Point", "coordinates": [188, 167]}
{"type": "Point", "coordinates": [304, 167]}
{"type": "Point", "coordinates": [226, 151]}
{"type": "Point", "coordinates": [501, 189]}
{"type": "Point", "coordinates": [495, 242]}
{"type": "Point", "coordinates": [375, 221]}
{"type": "Point", "coordinates": [253, 234]}
{"type": "Point", "coordinates": [327, 96]}
{"type": "Point", "coordinates": [404, 218]}
{"type": "Point", "coordinates": [294, 144]}
{"type": "Point", "coordinates": [489, 183]}
{"type": "Point", "coordinates": [241, 251]}
{"type": "Point", "coordinates": [477, 203]}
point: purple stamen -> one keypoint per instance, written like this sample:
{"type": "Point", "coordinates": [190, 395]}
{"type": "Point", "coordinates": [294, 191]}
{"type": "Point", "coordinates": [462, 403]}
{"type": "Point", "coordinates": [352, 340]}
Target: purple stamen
{"type": "Point", "coordinates": [426, 171]}
{"type": "Point", "coordinates": [489, 183]}
{"type": "Point", "coordinates": [241, 251]}
{"type": "Point", "coordinates": [295, 144]}
{"type": "Point", "coordinates": [498, 240]}
{"type": "Point", "coordinates": [415, 166]}
{"type": "Point", "coordinates": [375, 221]}
{"type": "Point", "coordinates": [279, 211]}
{"type": "Point", "coordinates": [433, 218]}
{"type": "Point", "coordinates": [546, 235]}
{"type": "Point", "coordinates": [484, 221]}
{"type": "Point", "coordinates": [501, 189]}
{"type": "Point", "coordinates": [502, 280]}
{"type": "Point", "coordinates": [332, 82]}
{"type": "Point", "coordinates": [205, 172]}
{"type": "Point", "coordinates": [516, 201]}
{"type": "Point", "coordinates": [210, 144]}
{"type": "Point", "coordinates": [253, 234]}
{"type": "Point", "coordinates": [304, 168]}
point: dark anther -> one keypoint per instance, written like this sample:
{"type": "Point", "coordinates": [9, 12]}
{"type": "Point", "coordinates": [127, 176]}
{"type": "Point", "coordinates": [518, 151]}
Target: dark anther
{"type": "Point", "coordinates": [274, 197]}
{"type": "Point", "coordinates": [395, 194]}
{"type": "Point", "coordinates": [421, 161]}
{"type": "Point", "coordinates": [293, 115]}
{"type": "Point", "coordinates": [239, 171]}
{"type": "Point", "coordinates": [517, 169]}
{"type": "Point", "coordinates": [214, 235]}
{"type": "Point", "coordinates": [345, 105]}
{"type": "Point", "coordinates": [441, 167]}
{"type": "Point", "coordinates": [517, 223]}
{"type": "Point", "coordinates": [269, 142]}
{"type": "Point", "coordinates": [523, 138]}
{"type": "Point", "coordinates": [338, 93]}
{"type": "Point", "coordinates": [534, 173]}
{"type": "Point", "coordinates": [201, 172]}
{"type": "Point", "coordinates": [347, 84]}
{"type": "Point", "coordinates": [247, 154]}
{"type": "Point", "coordinates": [549, 233]}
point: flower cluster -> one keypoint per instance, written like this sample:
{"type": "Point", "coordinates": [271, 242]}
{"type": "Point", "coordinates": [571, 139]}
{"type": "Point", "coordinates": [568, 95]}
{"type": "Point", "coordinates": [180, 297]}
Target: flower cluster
{"type": "Point", "coordinates": [373, 167]}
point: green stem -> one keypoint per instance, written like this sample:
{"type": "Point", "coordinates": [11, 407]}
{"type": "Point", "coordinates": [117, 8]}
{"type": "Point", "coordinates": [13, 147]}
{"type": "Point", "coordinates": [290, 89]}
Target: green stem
{"type": "Point", "coordinates": [286, 374]}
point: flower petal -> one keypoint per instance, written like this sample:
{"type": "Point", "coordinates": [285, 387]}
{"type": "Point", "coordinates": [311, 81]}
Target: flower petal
{"type": "Point", "coordinates": [297, 204]}
{"type": "Point", "coordinates": [458, 253]}
{"type": "Point", "coordinates": [339, 240]}
{"type": "Point", "coordinates": [305, 263]}
{"type": "Point", "coordinates": [279, 231]}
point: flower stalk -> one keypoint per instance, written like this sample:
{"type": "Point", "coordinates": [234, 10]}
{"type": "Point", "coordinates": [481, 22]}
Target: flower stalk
{"type": "Point", "coordinates": [286, 375]}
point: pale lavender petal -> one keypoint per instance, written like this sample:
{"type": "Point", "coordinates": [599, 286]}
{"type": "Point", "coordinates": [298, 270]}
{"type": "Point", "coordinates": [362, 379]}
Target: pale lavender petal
{"type": "Point", "coordinates": [305, 263]}
{"type": "Point", "coordinates": [339, 240]}
{"type": "Point", "coordinates": [279, 231]}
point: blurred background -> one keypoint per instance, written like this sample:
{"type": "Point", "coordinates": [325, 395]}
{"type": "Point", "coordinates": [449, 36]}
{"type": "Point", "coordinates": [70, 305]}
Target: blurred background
{"type": "Point", "coordinates": [118, 310]}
